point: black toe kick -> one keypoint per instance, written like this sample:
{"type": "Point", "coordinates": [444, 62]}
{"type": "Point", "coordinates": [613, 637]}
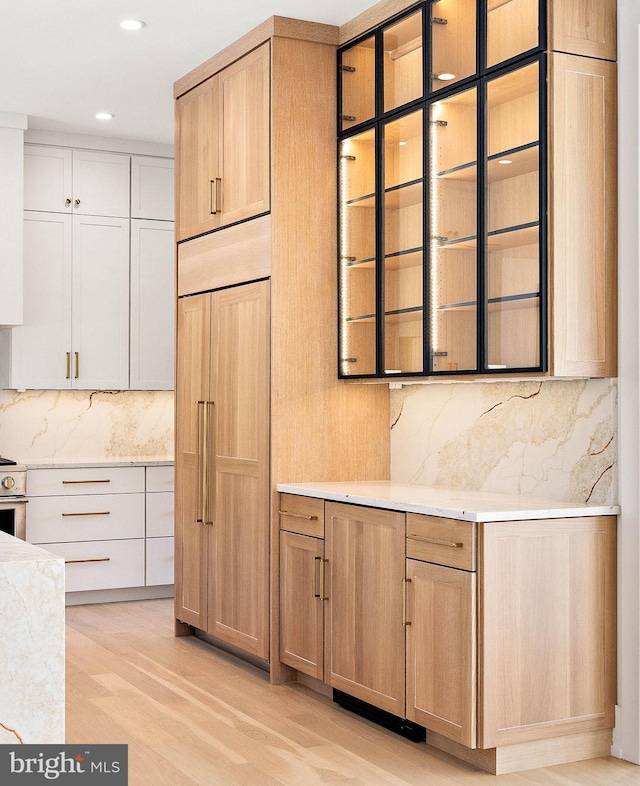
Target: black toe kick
{"type": "Point", "coordinates": [406, 728]}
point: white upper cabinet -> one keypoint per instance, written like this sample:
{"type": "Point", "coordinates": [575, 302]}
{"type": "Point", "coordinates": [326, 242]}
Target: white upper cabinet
{"type": "Point", "coordinates": [84, 182]}
{"type": "Point", "coordinates": [152, 188]}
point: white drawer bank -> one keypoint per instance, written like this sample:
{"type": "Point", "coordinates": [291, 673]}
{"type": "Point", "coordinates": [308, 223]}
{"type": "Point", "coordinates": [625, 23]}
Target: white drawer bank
{"type": "Point", "coordinates": [111, 521]}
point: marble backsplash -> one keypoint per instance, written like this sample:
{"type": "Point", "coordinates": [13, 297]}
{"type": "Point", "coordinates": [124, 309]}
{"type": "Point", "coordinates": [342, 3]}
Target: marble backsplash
{"type": "Point", "coordinates": [50, 425]}
{"type": "Point", "coordinates": [551, 438]}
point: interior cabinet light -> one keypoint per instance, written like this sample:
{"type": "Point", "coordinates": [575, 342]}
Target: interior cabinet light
{"type": "Point", "coordinates": [132, 24]}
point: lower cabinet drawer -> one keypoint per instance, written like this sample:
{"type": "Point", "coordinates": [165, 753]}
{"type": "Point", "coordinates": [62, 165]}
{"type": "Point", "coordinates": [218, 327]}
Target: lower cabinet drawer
{"type": "Point", "coordinates": [97, 565]}
{"type": "Point", "coordinates": [85, 517]}
{"type": "Point", "coordinates": [159, 561]}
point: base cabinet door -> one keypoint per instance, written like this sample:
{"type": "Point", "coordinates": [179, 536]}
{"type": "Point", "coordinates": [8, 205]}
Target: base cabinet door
{"type": "Point", "coordinates": [364, 641]}
{"type": "Point", "coordinates": [441, 650]}
{"type": "Point", "coordinates": [301, 603]}
{"type": "Point", "coordinates": [548, 626]}
{"type": "Point", "coordinates": [222, 494]}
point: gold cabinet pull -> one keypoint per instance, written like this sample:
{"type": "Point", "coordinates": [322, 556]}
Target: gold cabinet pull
{"type": "Point", "coordinates": [199, 463]}
{"type": "Point", "coordinates": [436, 542]}
{"type": "Point", "coordinates": [76, 561]}
{"type": "Point", "coordinates": [323, 579]}
{"type": "Point", "coordinates": [68, 365]}
{"type": "Point", "coordinates": [317, 571]}
{"type": "Point", "coordinates": [405, 587]}
{"type": "Point", "coordinates": [71, 482]}
{"type": "Point", "coordinates": [77, 202]}
{"type": "Point", "coordinates": [77, 354]}
{"type": "Point", "coordinates": [90, 513]}
{"type": "Point", "coordinates": [297, 515]}
{"type": "Point", "coordinates": [215, 195]}
{"type": "Point", "coordinates": [67, 201]}
{"type": "Point", "coordinates": [206, 502]}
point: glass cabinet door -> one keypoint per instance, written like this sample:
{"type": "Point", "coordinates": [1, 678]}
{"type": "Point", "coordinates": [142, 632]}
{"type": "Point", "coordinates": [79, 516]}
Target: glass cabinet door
{"type": "Point", "coordinates": [402, 64]}
{"type": "Point", "coordinates": [357, 83]}
{"type": "Point", "coordinates": [512, 29]}
{"type": "Point", "coordinates": [512, 242]}
{"type": "Point", "coordinates": [358, 335]}
{"type": "Point", "coordinates": [453, 42]}
{"type": "Point", "coordinates": [453, 217]}
{"type": "Point", "coordinates": [403, 211]}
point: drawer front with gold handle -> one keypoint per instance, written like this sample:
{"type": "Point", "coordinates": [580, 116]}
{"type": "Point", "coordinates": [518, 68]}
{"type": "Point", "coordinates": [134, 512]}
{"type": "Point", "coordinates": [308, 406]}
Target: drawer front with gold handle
{"type": "Point", "coordinates": [443, 541]}
{"type": "Point", "coordinates": [78, 518]}
{"type": "Point", "coordinates": [47, 482]}
{"type": "Point", "coordinates": [102, 564]}
{"type": "Point", "coordinates": [304, 515]}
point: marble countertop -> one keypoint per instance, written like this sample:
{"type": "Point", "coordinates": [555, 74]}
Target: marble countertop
{"type": "Point", "coordinates": [16, 550]}
{"type": "Point", "coordinates": [123, 461]}
{"type": "Point", "coordinates": [447, 503]}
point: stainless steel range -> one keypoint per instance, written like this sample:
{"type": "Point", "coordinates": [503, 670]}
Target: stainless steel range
{"type": "Point", "coordinates": [13, 498]}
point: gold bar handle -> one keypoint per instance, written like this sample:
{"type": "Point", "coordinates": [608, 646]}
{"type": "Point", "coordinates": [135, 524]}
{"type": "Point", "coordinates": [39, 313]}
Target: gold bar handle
{"type": "Point", "coordinates": [199, 462]}
{"type": "Point", "coordinates": [435, 542]}
{"type": "Point", "coordinates": [215, 195]}
{"type": "Point", "coordinates": [317, 572]}
{"type": "Point", "coordinates": [68, 365]}
{"type": "Point", "coordinates": [77, 354]}
{"type": "Point", "coordinates": [406, 583]}
{"type": "Point", "coordinates": [297, 515]}
{"type": "Point", "coordinates": [206, 503]}
{"type": "Point", "coordinates": [91, 513]}
{"type": "Point", "coordinates": [97, 559]}
{"type": "Point", "coordinates": [323, 580]}
{"type": "Point", "coordinates": [71, 482]}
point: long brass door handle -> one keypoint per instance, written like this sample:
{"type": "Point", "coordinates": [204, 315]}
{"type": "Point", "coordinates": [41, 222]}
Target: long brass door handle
{"type": "Point", "coordinates": [206, 503]}
{"type": "Point", "coordinates": [70, 482]}
{"type": "Point", "coordinates": [76, 561]}
{"type": "Point", "coordinates": [214, 186]}
{"type": "Point", "coordinates": [68, 365]}
{"type": "Point", "coordinates": [199, 461]}
{"type": "Point", "coordinates": [405, 587]}
{"type": "Point", "coordinates": [77, 354]}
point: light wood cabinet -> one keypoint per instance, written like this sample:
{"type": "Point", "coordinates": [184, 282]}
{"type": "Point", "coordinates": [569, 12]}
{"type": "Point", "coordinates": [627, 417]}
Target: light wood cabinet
{"type": "Point", "coordinates": [222, 465]}
{"type": "Point", "coordinates": [222, 144]}
{"type": "Point", "coordinates": [502, 647]}
{"type": "Point", "coordinates": [364, 643]}
{"type": "Point", "coordinates": [468, 206]}
{"type": "Point", "coordinates": [315, 426]}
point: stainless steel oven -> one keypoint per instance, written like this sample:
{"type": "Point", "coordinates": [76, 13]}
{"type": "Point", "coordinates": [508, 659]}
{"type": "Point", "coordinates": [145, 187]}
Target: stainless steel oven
{"type": "Point", "coordinates": [13, 498]}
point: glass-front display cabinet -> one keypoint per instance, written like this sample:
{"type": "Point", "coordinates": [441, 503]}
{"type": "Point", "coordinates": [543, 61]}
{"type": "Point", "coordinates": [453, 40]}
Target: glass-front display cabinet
{"type": "Point", "coordinates": [441, 142]}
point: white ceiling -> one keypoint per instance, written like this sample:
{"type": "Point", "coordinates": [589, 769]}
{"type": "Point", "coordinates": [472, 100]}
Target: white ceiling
{"type": "Point", "coordinates": [61, 61]}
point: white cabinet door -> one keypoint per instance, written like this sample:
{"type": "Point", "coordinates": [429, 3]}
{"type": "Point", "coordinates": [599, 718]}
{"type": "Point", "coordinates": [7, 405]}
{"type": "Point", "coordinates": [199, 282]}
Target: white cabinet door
{"type": "Point", "coordinates": [152, 305]}
{"type": "Point", "coordinates": [152, 188]}
{"type": "Point", "coordinates": [41, 346]}
{"type": "Point", "coordinates": [85, 182]}
{"type": "Point", "coordinates": [48, 182]}
{"type": "Point", "coordinates": [100, 323]}
{"type": "Point", "coordinates": [159, 561]}
{"type": "Point", "coordinates": [101, 183]}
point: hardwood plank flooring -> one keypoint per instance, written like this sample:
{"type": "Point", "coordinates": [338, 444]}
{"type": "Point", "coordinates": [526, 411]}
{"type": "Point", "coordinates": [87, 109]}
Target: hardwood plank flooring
{"type": "Point", "coordinates": [193, 716]}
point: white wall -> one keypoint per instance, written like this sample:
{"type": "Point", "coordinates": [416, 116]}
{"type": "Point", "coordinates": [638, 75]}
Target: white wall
{"type": "Point", "coordinates": [627, 733]}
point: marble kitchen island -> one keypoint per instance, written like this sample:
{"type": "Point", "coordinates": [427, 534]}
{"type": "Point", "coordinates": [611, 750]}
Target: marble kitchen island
{"type": "Point", "coordinates": [32, 680]}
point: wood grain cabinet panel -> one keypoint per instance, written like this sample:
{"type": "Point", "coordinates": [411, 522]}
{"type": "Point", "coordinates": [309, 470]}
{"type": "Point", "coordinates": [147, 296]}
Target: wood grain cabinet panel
{"type": "Point", "coordinates": [547, 623]}
{"type": "Point", "coordinates": [441, 650]}
{"type": "Point", "coordinates": [364, 643]}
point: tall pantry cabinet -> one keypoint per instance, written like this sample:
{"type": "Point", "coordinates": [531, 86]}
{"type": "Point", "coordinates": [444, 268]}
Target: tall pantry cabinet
{"type": "Point", "coordinates": [257, 398]}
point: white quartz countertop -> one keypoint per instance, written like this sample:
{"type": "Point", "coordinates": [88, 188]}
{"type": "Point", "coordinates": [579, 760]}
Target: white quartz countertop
{"type": "Point", "coordinates": [447, 503]}
{"type": "Point", "coordinates": [16, 550]}
{"type": "Point", "coordinates": [124, 461]}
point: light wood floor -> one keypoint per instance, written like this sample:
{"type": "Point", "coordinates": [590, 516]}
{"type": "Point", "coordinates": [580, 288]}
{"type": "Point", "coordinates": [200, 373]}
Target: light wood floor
{"type": "Point", "coordinates": [193, 716]}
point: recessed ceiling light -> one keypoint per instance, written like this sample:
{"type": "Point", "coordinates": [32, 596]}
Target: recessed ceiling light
{"type": "Point", "coordinates": [104, 116]}
{"type": "Point", "coordinates": [132, 24]}
{"type": "Point", "coordinates": [446, 77]}
{"type": "Point", "coordinates": [505, 161]}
